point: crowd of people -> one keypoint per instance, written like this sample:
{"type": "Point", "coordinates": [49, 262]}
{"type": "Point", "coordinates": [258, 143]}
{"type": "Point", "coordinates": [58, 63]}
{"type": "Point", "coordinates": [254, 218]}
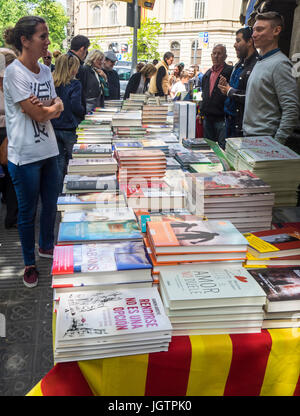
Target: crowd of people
{"type": "Point", "coordinates": [41, 106]}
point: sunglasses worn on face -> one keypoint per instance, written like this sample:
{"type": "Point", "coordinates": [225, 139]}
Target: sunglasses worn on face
{"type": "Point", "coordinates": [47, 57]}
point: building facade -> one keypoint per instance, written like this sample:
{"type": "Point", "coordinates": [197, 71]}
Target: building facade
{"type": "Point", "coordinates": [190, 28]}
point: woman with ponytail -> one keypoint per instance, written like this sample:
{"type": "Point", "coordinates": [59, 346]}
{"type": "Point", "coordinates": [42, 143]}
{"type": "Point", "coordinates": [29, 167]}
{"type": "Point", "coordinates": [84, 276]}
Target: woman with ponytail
{"type": "Point", "coordinates": [30, 103]}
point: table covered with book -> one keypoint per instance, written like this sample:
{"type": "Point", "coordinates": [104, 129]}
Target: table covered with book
{"type": "Point", "coordinates": [155, 303]}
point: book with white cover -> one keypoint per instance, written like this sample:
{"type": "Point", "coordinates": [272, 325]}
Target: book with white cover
{"type": "Point", "coordinates": [210, 288]}
{"type": "Point", "coordinates": [100, 214]}
{"type": "Point", "coordinates": [90, 264]}
{"type": "Point", "coordinates": [92, 165]}
{"type": "Point", "coordinates": [102, 316]}
{"type": "Point", "coordinates": [191, 127]}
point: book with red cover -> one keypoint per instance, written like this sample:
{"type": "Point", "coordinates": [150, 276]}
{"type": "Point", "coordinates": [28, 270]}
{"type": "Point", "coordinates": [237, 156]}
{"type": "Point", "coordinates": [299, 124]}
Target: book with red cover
{"type": "Point", "coordinates": [281, 242]}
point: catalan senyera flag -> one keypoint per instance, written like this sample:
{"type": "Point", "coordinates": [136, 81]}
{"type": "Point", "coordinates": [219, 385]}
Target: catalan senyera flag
{"type": "Point", "coordinates": [262, 364]}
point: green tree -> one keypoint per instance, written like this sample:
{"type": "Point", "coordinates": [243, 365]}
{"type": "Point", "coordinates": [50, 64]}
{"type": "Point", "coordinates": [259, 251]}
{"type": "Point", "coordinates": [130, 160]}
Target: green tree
{"type": "Point", "coordinates": [56, 18]}
{"type": "Point", "coordinates": [147, 40]}
{"type": "Point", "coordinates": [52, 11]}
{"type": "Point", "coordinates": [95, 43]}
{"type": "Point", "coordinates": [11, 12]}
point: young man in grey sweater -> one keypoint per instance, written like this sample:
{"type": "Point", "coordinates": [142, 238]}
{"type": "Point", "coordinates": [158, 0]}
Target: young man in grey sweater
{"type": "Point", "coordinates": [272, 101]}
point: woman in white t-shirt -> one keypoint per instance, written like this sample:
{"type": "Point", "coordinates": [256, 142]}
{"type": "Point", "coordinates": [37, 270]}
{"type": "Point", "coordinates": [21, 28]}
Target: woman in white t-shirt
{"type": "Point", "coordinates": [30, 104]}
{"type": "Point", "coordinates": [180, 86]}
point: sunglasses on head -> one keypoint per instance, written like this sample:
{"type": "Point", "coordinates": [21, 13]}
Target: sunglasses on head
{"type": "Point", "coordinates": [47, 57]}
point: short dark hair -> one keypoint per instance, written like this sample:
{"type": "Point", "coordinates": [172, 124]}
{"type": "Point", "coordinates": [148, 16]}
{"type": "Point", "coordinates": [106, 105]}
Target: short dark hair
{"type": "Point", "coordinates": [168, 55]}
{"type": "Point", "coordinates": [78, 42]}
{"type": "Point", "coordinates": [246, 33]}
{"type": "Point", "coordinates": [26, 26]}
{"type": "Point", "coordinates": [274, 17]}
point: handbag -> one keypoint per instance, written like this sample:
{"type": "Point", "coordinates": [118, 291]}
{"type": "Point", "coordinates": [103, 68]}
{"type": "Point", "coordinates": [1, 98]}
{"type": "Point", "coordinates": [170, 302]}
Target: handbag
{"type": "Point", "coordinates": [3, 152]}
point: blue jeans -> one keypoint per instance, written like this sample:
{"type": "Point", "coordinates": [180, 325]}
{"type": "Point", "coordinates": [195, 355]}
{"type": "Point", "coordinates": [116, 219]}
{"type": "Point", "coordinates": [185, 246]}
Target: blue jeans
{"type": "Point", "coordinates": [215, 130]}
{"type": "Point", "coordinates": [31, 181]}
{"type": "Point", "coordinates": [65, 141]}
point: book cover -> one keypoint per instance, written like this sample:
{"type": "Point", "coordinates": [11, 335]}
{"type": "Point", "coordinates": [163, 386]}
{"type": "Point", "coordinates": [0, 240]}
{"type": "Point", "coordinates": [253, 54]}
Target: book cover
{"type": "Point", "coordinates": [105, 315]}
{"type": "Point", "coordinates": [100, 214]}
{"type": "Point", "coordinates": [282, 287]}
{"type": "Point", "coordinates": [99, 258]}
{"type": "Point", "coordinates": [193, 288]}
{"type": "Point", "coordinates": [196, 236]}
{"type": "Point", "coordinates": [274, 243]}
{"type": "Point", "coordinates": [91, 198]}
{"type": "Point", "coordinates": [98, 231]}
{"type": "Point", "coordinates": [83, 149]}
{"type": "Point", "coordinates": [231, 182]}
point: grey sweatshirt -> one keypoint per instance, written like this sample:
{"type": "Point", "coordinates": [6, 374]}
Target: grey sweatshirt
{"type": "Point", "coordinates": [272, 103]}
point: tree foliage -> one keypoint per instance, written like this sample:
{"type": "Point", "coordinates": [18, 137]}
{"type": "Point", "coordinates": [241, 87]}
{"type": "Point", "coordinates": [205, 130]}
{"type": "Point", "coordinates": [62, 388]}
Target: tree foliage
{"type": "Point", "coordinates": [55, 16]}
{"type": "Point", "coordinates": [147, 40]}
{"type": "Point", "coordinates": [52, 11]}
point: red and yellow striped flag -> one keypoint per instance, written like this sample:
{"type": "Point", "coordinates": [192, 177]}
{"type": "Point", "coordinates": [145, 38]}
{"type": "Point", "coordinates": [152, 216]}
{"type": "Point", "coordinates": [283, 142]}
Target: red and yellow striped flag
{"type": "Point", "coordinates": [263, 364]}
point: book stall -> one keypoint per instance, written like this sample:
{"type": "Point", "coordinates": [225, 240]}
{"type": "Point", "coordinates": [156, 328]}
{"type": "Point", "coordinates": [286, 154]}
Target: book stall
{"type": "Point", "coordinates": [169, 265]}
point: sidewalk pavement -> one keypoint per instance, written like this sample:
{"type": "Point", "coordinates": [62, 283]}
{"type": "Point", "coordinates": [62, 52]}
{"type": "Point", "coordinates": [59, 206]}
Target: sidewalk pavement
{"type": "Point", "coordinates": [26, 353]}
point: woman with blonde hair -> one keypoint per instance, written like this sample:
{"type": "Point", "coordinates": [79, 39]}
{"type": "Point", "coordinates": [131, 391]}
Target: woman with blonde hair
{"type": "Point", "coordinates": [94, 80]}
{"type": "Point", "coordinates": [69, 90]}
{"type": "Point", "coordinates": [139, 82]}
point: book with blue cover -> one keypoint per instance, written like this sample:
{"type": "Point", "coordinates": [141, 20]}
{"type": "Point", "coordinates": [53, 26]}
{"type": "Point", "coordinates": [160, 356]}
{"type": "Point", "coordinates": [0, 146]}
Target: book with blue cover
{"type": "Point", "coordinates": [93, 231]}
{"type": "Point", "coordinates": [100, 264]}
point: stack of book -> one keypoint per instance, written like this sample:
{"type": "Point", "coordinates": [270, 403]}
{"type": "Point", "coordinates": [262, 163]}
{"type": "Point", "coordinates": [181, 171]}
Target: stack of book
{"type": "Point", "coordinates": [141, 164]}
{"type": "Point", "coordinates": [127, 119]}
{"type": "Point", "coordinates": [129, 132]}
{"type": "Point", "coordinates": [155, 114]}
{"type": "Point", "coordinates": [153, 196]}
{"type": "Point", "coordinates": [85, 165]}
{"type": "Point", "coordinates": [282, 288]}
{"type": "Point", "coordinates": [274, 163]}
{"type": "Point", "coordinates": [94, 131]}
{"type": "Point", "coordinates": [186, 245]}
{"type": "Point", "coordinates": [132, 104]}
{"type": "Point", "coordinates": [155, 144]}
{"type": "Point", "coordinates": [166, 136]}
{"type": "Point", "coordinates": [100, 266]}
{"type": "Point", "coordinates": [102, 114]}
{"type": "Point", "coordinates": [100, 214]}
{"type": "Point", "coordinates": [190, 158]}
{"type": "Point", "coordinates": [115, 104]}
{"type": "Point", "coordinates": [185, 119]}
{"type": "Point", "coordinates": [126, 144]}
{"type": "Point", "coordinates": [172, 164]}
{"type": "Point", "coordinates": [206, 169]}
{"type": "Point", "coordinates": [98, 231]}
{"type": "Point", "coordinates": [106, 323]}
{"type": "Point", "coordinates": [88, 183]}
{"type": "Point", "coordinates": [240, 197]}
{"type": "Point", "coordinates": [279, 247]}
{"type": "Point", "coordinates": [92, 150]}
{"type": "Point", "coordinates": [90, 200]}
{"type": "Point", "coordinates": [212, 300]}
{"type": "Point", "coordinates": [195, 144]}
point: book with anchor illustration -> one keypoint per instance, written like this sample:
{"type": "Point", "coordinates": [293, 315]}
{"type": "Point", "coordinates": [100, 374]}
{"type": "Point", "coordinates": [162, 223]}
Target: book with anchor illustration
{"type": "Point", "coordinates": [195, 237]}
{"type": "Point", "coordinates": [108, 323]}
